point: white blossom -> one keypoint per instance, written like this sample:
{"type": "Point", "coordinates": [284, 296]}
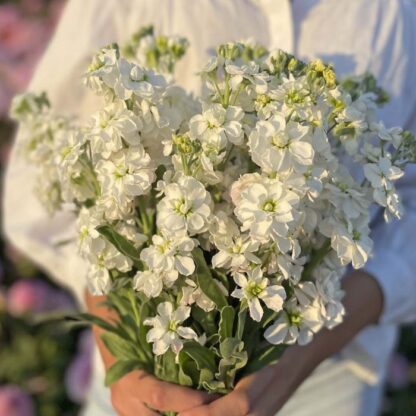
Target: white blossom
{"type": "Point", "coordinates": [295, 324]}
{"type": "Point", "coordinates": [265, 209]}
{"type": "Point", "coordinates": [167, 331]}
{"type": "Point", "coordinates": [186, 207]}
{"type": "Point", "coordinates": [172, 253]}
{"type": "Point", "coordinates": [253, 288]}
{"type": "Point", "coordinates": [277, 146]}
{"type": "Point", "coordinates": [151, 282]}
{"type": "Point", "coordinates": [111, 125]}
{"type": "Point", "coordinates": [128, 173]}
{"type": "Point", "coordinates": [218, 123]}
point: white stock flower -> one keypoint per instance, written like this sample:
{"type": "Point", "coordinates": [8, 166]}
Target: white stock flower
{"type": "Point", "coordinates": [138, 81]}
{"type": "Point", "coordinates": [253, 288]}
{"type": "Point", "coordinates": [352, 242]}
{"type": "Point", "coordinates": [265, 209]}
{"type": "Point", "coordinates": [170, 254]}
{"type": "Point", "coordinates": [185, 207]}
{"type": "Point", "coordinates": [191, 294]}
{"type": "Point", "coordinates": [295, 324]}
{"type": "Point", "coordinates": [277, 146]}
{"type": "Point", "coordinates": [392, 135]}
{"type": "Point", "coordinates": [128, 172]}
{"type": "Point", "coordinates": [69, 148]}
{"type": "Point", "coordinates": [382, 173]}
{"type": "Point", "coordinates": [103, 69]}
{"type": "Point", "coordinates": [111, 125]}
{"type": "Point", "coordinates": [104, 257]}
{"type": "Point", "coordinates": [347, 196]}
{"type": "Point", "coordinates": [248, 71]}
{"type": "Point", "coordinates": [218, 122]}
{"type": "Point", "coordinates": [116, 208]}
{"type": "Point", "coordinates": [294, 95]}
{"type": "Point", "coordinates": [167, 331]}
{"type": "Point", "coordinates": [88, 220]}
{"type": "Point", "coordinates": [151, 282]}
{"type": "Point", "coordinates": [235, 250]}
{"type": "Point", "coordinates": [389, 199]}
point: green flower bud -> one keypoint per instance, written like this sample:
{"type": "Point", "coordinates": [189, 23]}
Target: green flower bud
{"type": "Point", "coordinates": [184, 144]}
{"type": "Point", "coordinates": [230, 51]}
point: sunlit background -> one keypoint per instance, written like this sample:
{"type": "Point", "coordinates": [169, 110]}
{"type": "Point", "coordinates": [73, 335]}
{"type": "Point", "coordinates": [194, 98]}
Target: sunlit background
{"type": "Point", "coordinates": [45, 368]}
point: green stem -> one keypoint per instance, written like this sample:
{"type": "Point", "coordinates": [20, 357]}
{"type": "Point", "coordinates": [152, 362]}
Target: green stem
{"type": "Point", "coordinates": [237, 93]}
{"type": "Point", "coordinates": [144, 220]}
{"type": "Point", "coordinates": [185, 165]}
{"type": "Point", "coordinates": [227, 92]}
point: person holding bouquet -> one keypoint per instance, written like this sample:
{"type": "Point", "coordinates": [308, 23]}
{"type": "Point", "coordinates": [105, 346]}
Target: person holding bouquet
{"type": "Point", "coordinates": [341, 370]}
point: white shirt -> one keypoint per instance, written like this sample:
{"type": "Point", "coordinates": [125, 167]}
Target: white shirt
{"type": "Point", "coordinates": [375, 35]}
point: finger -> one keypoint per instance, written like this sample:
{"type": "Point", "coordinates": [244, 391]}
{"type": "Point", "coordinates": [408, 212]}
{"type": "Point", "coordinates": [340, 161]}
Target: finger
{"type": "Point", "coordinates": [242, 399]}
{"type": "Point", "coordinates": [236, 403]}
{"type": "Point", "coordinates": [166, 397]}
{"type": "Point", "coordinates": [280, 388]}
{"type": "Point", "coordinates": [139, 409]}
{"type": "Point", "coordinates": [269, 403]}
{"type": "Point", "coordinates": [255, 384]}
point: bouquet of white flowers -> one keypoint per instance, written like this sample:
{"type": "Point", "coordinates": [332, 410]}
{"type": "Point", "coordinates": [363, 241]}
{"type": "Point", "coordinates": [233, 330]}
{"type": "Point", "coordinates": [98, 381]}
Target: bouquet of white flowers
{"type": "Point", "coordinates": [220, 227]}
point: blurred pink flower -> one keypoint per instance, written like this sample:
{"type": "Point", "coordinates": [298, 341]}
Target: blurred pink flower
{"type": "Point", "coordinates": [398, 375]}
{"type": "Point", "coordinates": [24, 32]}
{"type": "Point", "coordinates": [37, 296]}
{"type": "Point", "coordinates": [19, 35]}
{"type": "Point", "coordinates": [27, 296]}
{"type": "Point", "coordinates": [15, 402]}
{"type": "Point", "coordinates": [78, 374]}
{"type": "Point", "coordinates": [32, 6]}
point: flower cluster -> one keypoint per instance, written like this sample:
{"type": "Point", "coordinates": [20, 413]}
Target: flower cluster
{"type": "Point", "coordinates": [245, 203]}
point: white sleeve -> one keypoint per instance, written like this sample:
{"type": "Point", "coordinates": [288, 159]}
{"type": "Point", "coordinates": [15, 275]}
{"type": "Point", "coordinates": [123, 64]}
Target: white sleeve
{"type": "Point", "coordinates": [84, 26]}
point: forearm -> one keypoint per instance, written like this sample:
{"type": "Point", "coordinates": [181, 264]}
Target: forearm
{"type": "Point", "coordinates": [363, 303]}
{"type": "Point", "coordinates": [95, 307]}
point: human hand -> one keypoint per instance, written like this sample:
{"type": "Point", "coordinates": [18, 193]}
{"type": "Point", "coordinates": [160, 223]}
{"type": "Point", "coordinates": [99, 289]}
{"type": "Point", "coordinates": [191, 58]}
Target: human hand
{"type": "Point", "coordinates": [264, 393]}
{"type": "Point", "coordinates": [139, 393]}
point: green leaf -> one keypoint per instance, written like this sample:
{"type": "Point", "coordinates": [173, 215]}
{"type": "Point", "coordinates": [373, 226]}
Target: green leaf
{"type": "Point", "coordinates": [207, 320]}
{"type": "Point", "coordinates": [234, 358]}
{"type": "Point", "coordinates": [168, 370]}
{"type": "Point", "coordinates": [230, 346]}
{"type": "Point", "coordinates": [120, 369]}
{"type": "Point", "coordinates": [222, 277]}
{"type": "Point", "coordinates": [119, 347]}
{"type": "Point", "coordinates": [241, 322]}
{"type": "Point", "coordinates": [253, 335]}
{"type": "Point", "coordinates": [189, 374]}
{"type": "Point", "coordinates": [143, 330]}
{"type": "Point", "coordinates": [205, 376]}
{"type": "Point", "coordinates": [184, 379]}
{"type": "Point", "coordinates": [95, 320]}
{"type": "Point", "coordinates": [268, 355]}
{"type": "Point", "coordinates": [203, 356]}
{"type": "Point", "coordinates": [226, 322]}
{"type": "Point", "coordinates": [215, 386]}
{"type": "Point", "coordinates": [205, 280]}
{"type": "Point", "coordinates": [121, 243]}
